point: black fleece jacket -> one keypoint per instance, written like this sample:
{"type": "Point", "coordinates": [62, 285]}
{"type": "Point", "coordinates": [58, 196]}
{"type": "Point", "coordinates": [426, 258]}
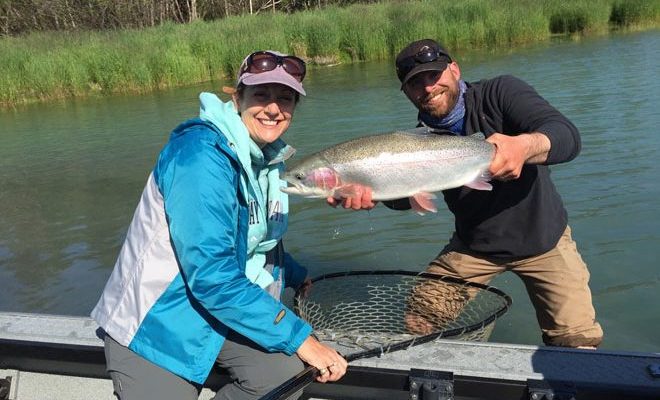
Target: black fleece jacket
{"type": "Point", "coordinates": [526, 216]}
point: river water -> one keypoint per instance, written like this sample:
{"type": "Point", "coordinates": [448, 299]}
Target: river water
{"type": "Point", "coordinates": [72, 172]}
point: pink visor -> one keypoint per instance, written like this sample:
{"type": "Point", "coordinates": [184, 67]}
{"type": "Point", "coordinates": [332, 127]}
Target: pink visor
{"type": "Point", "coordinates": [277, 75]}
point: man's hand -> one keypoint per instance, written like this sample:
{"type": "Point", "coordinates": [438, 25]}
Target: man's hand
{"type": "Point", "coordinates": [355, 196]}
{"type": "Point", "coordinates": [330, 364]}
{"type": "Point", "coordinates": [512, 152]}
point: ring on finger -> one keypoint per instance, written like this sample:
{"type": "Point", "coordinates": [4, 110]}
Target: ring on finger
{"type": "Point", "coordinates": [323, 371]}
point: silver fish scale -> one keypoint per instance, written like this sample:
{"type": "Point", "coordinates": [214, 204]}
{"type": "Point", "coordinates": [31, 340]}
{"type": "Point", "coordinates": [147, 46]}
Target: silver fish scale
{"type": "Point", "coordinates": [397, 177]}
{"type": "Point", "coordinates": [401, 142]}
{"type": "Point", "coordinates": [401, 164]}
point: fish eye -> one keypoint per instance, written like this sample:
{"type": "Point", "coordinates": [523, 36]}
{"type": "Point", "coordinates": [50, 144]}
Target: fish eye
{"type": "Point", "coordinates": [300, 176]}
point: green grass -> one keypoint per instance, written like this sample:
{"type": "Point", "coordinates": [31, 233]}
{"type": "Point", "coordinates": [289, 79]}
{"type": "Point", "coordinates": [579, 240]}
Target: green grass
{"type": "Point", "coordinates": [42, 66]}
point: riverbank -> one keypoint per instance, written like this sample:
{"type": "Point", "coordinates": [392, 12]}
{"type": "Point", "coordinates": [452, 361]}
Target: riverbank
{"type": "Point", "coordinates": [44, 66]}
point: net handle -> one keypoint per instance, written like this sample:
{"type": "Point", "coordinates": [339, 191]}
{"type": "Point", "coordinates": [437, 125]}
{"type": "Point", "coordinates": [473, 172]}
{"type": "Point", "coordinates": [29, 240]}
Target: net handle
{"type": "Point", "coordinates": [293, 385]}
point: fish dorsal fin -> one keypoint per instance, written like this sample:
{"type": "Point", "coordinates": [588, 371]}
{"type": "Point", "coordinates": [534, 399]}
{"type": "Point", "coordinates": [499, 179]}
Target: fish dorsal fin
{"type": "Point", "coordinates": [422, 130]}
{"type": "Point", "coordinates": [426, 130]}
{"type": "Point", "coordinates": [436, 131]}
{"type": "Point", "coordinates": [478, 135]}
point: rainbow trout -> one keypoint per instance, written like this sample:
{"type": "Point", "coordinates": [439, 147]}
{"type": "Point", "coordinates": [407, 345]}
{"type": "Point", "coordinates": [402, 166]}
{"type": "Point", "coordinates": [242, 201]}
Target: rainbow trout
{"type": "Point", "coordinates": [414, 164]}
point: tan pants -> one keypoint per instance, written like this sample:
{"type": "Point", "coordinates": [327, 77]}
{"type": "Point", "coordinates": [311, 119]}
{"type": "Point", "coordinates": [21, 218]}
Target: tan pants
{"type": "Point", "coordinates": [557, 283]}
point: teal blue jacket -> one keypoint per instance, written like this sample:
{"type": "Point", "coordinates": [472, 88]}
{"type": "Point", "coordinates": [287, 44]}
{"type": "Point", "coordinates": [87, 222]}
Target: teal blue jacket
{"type": "Point", "coordinates": [180, 280]}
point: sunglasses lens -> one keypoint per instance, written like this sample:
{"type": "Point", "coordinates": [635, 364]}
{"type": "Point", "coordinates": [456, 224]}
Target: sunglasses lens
{"type": "Point", "coordinates": [262, 62]}
{"type": "Point", "coordinates": [265, 61]}
{"type": "Point", "coordinates": [295, 67]}
{"type": "Point", "coordinates": [427, 56]}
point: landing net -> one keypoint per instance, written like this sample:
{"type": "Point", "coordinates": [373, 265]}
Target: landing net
{"type": "Point", "coordinates": [371, 312]}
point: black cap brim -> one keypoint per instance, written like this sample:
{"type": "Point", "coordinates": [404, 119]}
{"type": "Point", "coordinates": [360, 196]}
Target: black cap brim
{"type": "Point", "coordinates": [438, 65]}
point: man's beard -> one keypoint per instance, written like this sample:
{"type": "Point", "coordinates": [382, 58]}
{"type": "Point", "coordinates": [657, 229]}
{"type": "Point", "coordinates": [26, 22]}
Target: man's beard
{"type": "Point", "coordinates": [438, 110]}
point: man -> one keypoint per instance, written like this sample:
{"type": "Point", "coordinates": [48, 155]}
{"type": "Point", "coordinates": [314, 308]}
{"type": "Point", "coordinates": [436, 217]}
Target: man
{"type": "Point", "coordinates": [521, 225]}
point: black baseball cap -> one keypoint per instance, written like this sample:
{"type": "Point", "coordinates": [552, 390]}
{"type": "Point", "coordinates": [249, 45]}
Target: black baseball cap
{"type": "Point", "coordinates": [419, 56]}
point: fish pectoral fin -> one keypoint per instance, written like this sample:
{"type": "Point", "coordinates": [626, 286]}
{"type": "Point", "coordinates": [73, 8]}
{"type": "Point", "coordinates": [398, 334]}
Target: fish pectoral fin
{"type": "Point", "coordinates": [423, 202]}
{"type": "Point", "coordinates": [478, 135]}
{"type": "Point", "coordinates": [481, 183]}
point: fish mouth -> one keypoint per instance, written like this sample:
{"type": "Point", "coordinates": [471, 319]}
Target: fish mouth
{"type": "Point", "coordinates": [294, 188]}
{"type": "Point", "coordinates": [291, 189]}
{"type": "Point", "coordinates": [302, 190]}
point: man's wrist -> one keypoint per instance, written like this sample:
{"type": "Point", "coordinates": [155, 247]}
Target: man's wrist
{"type": "Point", "coordinates": [537, 147]}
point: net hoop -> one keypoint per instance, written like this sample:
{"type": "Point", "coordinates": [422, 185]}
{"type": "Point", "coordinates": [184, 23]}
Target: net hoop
{"type": "Point", "coordinates": [300, 302]}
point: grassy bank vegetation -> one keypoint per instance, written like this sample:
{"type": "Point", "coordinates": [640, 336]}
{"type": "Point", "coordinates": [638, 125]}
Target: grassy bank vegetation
{"type": "Point", "coordinates": [42, 66]}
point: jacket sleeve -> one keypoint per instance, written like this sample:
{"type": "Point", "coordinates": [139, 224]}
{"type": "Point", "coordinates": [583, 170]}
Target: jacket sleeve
{"type": "Point", "coordinates": [294, 273]}
{"type": "Point", "coordinates": [526, 111]}
{"type": "Point", "coordinates": [199, 186]}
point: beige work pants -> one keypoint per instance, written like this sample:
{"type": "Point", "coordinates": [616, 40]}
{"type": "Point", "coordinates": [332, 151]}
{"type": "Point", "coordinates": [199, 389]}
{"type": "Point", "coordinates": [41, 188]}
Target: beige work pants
{"type": "Point", "coordinates": [557, 283]}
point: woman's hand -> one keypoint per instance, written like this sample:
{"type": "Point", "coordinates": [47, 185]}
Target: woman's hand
{"type": "Point", "coordinates": [330, 364]}
{"type": "Point", "coordinates": [306, 286]}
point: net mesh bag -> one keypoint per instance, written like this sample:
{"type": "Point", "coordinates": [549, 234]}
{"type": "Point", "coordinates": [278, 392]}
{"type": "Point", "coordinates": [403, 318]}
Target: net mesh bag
{"type": "Point", "coordinates": [369, 310]}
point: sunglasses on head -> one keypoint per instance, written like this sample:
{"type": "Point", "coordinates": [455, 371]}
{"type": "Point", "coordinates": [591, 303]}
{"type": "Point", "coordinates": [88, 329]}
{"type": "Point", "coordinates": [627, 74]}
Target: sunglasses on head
{"type": "Point", "coordinates": [425, 55]}
{"type": "Point", "coordinates": [264, 61]}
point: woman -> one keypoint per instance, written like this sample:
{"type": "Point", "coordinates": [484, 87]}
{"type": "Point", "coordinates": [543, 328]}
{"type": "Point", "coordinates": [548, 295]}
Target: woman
{"type": "Point", "coordinates": [201, 271]}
